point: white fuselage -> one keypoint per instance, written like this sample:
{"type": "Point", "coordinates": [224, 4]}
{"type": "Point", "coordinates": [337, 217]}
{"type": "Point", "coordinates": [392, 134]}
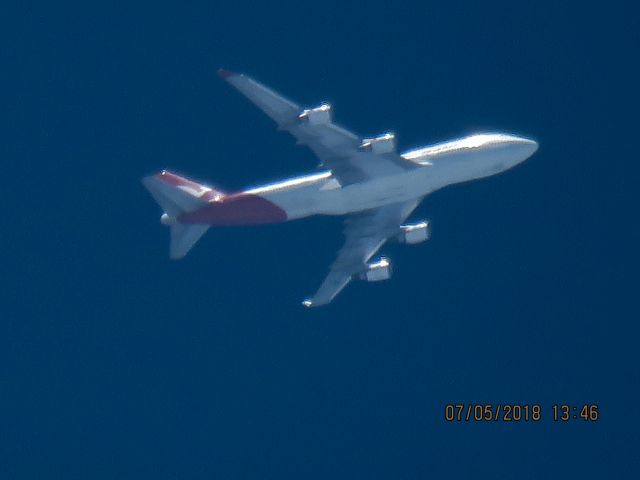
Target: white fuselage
{"type": "Point", "coordinates": [443, 164]}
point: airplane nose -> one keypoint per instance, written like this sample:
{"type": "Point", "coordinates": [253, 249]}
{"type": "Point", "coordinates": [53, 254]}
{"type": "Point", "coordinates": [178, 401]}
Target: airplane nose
{"type": "Point", "coordinates": [530, 145]}
{"type": "Point", "coordinates": [526, 145]}
{"type": "Point", "coordinates": [521, 147]}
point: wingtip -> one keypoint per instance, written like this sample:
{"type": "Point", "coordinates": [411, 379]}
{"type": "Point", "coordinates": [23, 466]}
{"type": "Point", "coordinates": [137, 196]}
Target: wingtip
{"type": "Point", "coordinates": [224, 74]}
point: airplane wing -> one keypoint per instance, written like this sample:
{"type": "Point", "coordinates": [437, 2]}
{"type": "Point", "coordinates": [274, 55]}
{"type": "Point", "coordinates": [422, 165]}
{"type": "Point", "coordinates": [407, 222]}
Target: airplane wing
{"type": "Point", "coordinates": [337, 148]}
{"type": "Point", "coordinates": [365, 233]}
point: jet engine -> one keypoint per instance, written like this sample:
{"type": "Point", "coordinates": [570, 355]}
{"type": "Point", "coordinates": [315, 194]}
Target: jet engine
{"type": "Point", "coordinates": [375, 272]}
{"type": "Point", "coordinates": [381, 144]}
{"type": "Point", "coordinates": [320, 115]}
{"type": "Point", "coordinates": [414, 233]}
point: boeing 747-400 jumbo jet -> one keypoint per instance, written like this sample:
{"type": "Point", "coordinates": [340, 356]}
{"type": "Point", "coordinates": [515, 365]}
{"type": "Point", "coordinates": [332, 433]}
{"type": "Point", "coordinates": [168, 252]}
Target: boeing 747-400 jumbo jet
{"type": "Point", "coordinates": [365, 179]}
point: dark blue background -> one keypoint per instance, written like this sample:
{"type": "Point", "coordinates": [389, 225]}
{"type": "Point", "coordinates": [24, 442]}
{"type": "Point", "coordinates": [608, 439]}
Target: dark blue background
{"type": "Point", "coordinates": [118, 363]}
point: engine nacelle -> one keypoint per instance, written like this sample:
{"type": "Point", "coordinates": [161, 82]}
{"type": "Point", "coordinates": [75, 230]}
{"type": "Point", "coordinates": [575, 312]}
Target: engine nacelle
{"type": "Point", "coordinates": [316, 116]}
{"type": "Point", "coordinates": [382, 144]}
{"type": "Point", "coordinates": [381, 270]}
{"type": "Point", "coordinates": [414, 233]}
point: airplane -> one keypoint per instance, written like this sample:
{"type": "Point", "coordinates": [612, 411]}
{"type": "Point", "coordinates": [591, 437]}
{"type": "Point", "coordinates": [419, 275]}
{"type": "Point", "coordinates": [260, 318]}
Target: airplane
{"type": "Point", "coordinates": [364, 179]}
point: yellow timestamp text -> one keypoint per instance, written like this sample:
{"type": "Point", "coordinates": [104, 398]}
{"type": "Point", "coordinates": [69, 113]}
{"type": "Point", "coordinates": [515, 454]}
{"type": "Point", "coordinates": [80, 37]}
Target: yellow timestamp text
{"type": "Point", "coordinates": [514, 412]}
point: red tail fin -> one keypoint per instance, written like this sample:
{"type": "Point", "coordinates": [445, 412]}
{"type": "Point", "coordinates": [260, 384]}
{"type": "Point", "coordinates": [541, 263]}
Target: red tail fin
{"type": "Point", "coordinates": [178, 195]}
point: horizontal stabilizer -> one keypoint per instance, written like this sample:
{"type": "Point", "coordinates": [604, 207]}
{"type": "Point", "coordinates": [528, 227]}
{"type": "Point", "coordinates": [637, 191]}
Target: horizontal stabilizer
{"type": "Point", "coordinates": [178, 195]}
{"type": "Point", "coordinates": [183, 237]}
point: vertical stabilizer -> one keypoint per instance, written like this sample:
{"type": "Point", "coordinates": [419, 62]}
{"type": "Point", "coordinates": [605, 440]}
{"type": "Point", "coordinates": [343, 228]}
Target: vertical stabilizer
{"type": "Point", "coordinates": [178, 195]}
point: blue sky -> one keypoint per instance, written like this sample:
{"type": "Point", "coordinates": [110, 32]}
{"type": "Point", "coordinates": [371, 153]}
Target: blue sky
{"type": "Point", "coordinates": [118, 363]}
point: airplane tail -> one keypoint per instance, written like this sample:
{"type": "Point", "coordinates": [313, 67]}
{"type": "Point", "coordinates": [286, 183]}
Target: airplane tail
{"type": "Point", "coordinates": [178, 195]}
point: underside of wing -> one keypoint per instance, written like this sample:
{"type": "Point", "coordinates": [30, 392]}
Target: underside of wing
{"type": "Point", "coordinates": [365, 233]}
{"type": "Point", "coordinates": [351, 159]}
